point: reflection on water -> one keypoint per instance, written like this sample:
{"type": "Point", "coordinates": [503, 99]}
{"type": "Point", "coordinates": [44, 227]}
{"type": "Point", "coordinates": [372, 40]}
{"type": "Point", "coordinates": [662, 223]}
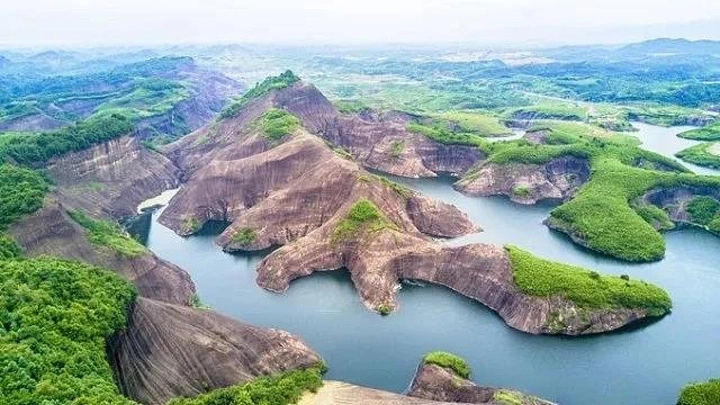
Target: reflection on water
{"type": "Point", "coordinates": [644, 367]}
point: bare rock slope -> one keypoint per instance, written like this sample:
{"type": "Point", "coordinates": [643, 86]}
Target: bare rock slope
{"type": "Point", "coordinates": [112, 178]}
{"type": "Point", "coordinates": [438, 383]}
{"type": "Point", "coordinates": [51, 231]}
{"type": "Point", "coordinates": [168, 351]}
{"type": "Point", "coordinates": [168, 348]}
{"type": "Point", "coordinates": [376, 140]}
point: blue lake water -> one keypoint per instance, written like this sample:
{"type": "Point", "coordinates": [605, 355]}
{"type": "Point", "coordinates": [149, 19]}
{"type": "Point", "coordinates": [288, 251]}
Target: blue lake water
{"type": "Point", "coordinates": [644, 366]}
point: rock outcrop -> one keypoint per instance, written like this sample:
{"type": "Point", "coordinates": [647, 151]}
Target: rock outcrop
{"type": "Point", "coordinates": [284, 192]}
{"type": "Point", "coordinates": [111, 179]}
{"type": "Point", "coordinates": [209, 92]}
{"type": "Point", "coordinates": [168, 351]}
{"type": "Point", "coordinates": [438, 383]}
{"type": "Point", "coordinates": [51, 231]}
{"type": "Point", "coordinates": [378, 261]}
{"type": "Point", "coordinates": [299, 195]}
{"type": "Point", "coordinates": [524, 183]}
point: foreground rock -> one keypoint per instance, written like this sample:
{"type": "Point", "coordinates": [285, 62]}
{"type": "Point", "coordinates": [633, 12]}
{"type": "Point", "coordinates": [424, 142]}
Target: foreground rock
{"type": "Point", "coordinates": [169, 351]}
{"type": "Point", "coordinates": [336, 392]}
{"type": "Point", "coordinates": [523, 183]}
{"type": "Point", "coordinates": [51, 231]}
{"type": "Point", "coordinates": [111, 179]}
{"type": "Point", "coordinates": [438, 383]}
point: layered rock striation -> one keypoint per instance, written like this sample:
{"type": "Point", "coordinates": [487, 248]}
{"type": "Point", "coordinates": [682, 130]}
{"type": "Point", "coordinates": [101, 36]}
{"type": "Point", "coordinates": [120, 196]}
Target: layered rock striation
{"type": "Point", "coordinates": [111, 179]}
{"type": "Point", "coordinates": [168, 351]}
{"type": "Point", "coordinates": [525, 183]}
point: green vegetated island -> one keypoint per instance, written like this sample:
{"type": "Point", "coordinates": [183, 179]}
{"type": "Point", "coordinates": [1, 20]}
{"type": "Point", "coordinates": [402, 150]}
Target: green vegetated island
{"type": "Point", "coordinates": [608, 213]}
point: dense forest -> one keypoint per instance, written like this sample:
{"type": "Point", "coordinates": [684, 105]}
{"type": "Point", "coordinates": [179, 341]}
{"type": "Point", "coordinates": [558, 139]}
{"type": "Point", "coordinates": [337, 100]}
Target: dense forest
{"type": "Point", "coordinates": [37, 148]}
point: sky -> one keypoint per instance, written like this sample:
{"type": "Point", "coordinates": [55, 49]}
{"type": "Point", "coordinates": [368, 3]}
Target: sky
{"type": "Point", "coordinates": [491, 22]}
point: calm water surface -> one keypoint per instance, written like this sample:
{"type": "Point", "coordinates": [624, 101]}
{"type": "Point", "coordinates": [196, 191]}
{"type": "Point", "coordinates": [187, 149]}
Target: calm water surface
{"type": "Point", "coordinates": [645, 366]}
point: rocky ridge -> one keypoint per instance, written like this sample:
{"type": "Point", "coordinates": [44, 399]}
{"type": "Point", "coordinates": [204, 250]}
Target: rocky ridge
{"type": "Point", "coordinates": [376, 140]}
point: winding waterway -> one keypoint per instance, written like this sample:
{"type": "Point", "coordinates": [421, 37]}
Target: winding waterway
{"type": "Point", "coordinates": [645, 366]}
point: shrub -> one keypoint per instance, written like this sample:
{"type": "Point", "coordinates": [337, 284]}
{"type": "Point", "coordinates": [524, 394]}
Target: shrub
{"type": "Point", "coordinates": [281, 389]}
{"type": "Point", "coordinates": [706, 393]}
{"type": "Point", "coordinates": [708, 133]}
{"type": "Point", "coordinates": [37, 148]}
{"type": "Point", "coordinates": [543, 278]}
{"type": "Point", "coordinates": [21, 192]}
{"type": "Point", "coordinates": [703, 209]}
{"type": "Point", "coordinates": [396, 148]}
{"type": "Point", "coordinates": [281, 81]}
{"type": "Point", "coordinates": [445, 136]}
{"type": "Point", "coordinates": [108, 234]}
{"type": "Point", "coordinates": [277, 123]}
{"type": "Point", "coordinates": [521, 191]}
{"type": "Point", "coordinates": [384, 309]}
{"type": "Point", "coordinates": [362, 216]}
{"type": "Point", "coordinates": [701, 155]}
{"type": "Point", "coordinates": [55, 316]}
{"type": "Point", "coordinates": [450, 361]}
{"type": "Point", "coordinates": [655, 216]}
{"type": "Point", "coordinates": [190, 224]}
{"type": "Point", "coordinates": [8, 248]}
{"type": "Point", "coordinates": [243, 236]}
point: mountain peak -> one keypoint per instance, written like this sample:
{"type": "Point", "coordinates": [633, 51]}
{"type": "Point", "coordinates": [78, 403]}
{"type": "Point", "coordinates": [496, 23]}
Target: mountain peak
{"type": "Point", "coordinates": [270, 83]}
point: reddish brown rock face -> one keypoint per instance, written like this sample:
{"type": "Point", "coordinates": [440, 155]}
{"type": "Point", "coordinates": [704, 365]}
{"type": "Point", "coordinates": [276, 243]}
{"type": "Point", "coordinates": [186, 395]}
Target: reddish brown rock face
{"type": "Point", "coordinates": [525, 183]}
{"type": "Point", "coordinates": [50, 231]}
{"type": "Point", "coordinates": [440, 384]}
{"type": "Point", "coordinates": [112, 178]}
{"type": "Point", "coordinates": [169, 351]}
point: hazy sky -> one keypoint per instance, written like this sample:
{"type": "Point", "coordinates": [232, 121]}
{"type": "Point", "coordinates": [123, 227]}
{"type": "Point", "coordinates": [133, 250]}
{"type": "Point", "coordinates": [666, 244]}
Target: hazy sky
{"type": "Point", "coordinates": [129, 22]}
